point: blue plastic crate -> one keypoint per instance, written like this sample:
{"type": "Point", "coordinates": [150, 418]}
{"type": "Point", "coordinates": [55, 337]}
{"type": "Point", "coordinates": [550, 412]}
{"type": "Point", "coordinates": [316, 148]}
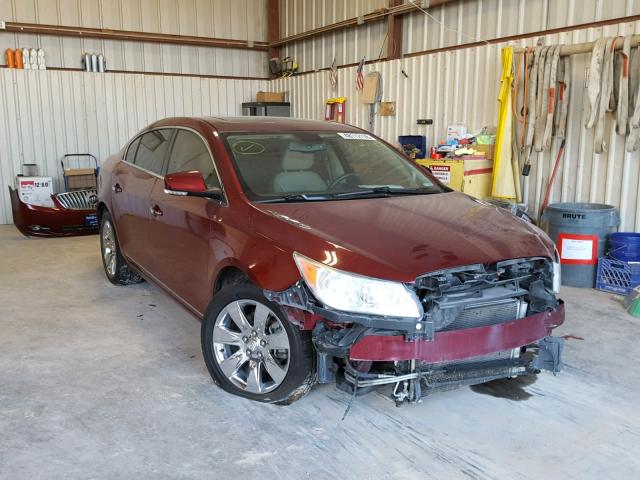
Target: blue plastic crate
{"type": "Point", "coordinates": [420, 142]}
{"type": "Point", "coordinates": [617, 276]}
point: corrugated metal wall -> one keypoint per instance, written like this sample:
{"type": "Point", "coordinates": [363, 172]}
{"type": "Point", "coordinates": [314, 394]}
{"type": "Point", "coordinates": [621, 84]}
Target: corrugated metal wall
{"type": "Point", "coordinates": [45, 114]}
{"type": "Point", "coordinates": [298, 16]}
{"type": "Point", "coordinates": [462, 86]}
{"type": "Point", "coordinates": [348, 46]}
{"type": "Point", "coordinates": [238, 19]}
{"type": "Point", "coordinates": [466, 21]}
{"type": "Point", "coordinates": [453, 23]}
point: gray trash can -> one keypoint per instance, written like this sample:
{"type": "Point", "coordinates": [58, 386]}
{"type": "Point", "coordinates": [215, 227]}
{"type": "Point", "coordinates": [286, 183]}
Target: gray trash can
{"type": "Point", "coordinates": [580, 232]}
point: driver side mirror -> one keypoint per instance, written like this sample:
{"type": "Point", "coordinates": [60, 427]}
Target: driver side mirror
{"type": "Point", "coordinates": [190, 184]}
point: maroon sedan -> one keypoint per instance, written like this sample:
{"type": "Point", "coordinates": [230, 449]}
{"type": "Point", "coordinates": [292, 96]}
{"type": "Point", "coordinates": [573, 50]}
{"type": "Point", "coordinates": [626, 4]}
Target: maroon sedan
{"type": "Point", "coordinates": [316, 252]}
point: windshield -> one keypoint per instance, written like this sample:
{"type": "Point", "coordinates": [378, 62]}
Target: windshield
{"type": "Point", "coordinates": [306, 166]}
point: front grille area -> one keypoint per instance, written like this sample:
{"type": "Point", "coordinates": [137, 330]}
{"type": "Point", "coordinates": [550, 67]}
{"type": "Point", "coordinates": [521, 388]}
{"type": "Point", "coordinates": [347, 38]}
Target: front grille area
{"type": "Point", "coordinates": [483, 294]}
{"type": "Point", "coordinates": [79, 199]}
{"type": "Point", "coordinates": [486, 314]}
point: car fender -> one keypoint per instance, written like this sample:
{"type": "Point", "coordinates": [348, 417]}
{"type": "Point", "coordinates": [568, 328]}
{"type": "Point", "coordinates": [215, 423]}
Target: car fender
{"type": "Point", "coordinates": [265, 265]}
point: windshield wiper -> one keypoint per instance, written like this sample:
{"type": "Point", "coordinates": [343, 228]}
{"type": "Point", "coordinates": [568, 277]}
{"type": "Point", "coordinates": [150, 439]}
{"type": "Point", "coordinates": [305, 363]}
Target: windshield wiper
{"type": "Point", "coordinates": [297, 197]}
{"type": "Point", "coordinates": [366, 193]}
{"type": "Point", "coordinates": [384, 191]}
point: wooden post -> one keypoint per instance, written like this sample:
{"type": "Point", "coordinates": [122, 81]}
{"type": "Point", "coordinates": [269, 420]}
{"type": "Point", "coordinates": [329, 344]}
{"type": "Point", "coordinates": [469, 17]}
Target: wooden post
{"type": "Point", "coordinates": [394, 33]}
{"type": "Point", "coordinates": [273, 29]}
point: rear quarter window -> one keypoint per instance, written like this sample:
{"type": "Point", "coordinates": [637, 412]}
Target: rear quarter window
{"type": "Point", "coordinates": [131, 151]}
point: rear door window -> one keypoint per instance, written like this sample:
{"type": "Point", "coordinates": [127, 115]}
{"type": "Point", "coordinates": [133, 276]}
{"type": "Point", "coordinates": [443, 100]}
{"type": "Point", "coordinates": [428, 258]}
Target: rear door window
{"type": "Point", "coordinates": [152, 149]}
{"type": "Point", "coordinates": [190, 153]}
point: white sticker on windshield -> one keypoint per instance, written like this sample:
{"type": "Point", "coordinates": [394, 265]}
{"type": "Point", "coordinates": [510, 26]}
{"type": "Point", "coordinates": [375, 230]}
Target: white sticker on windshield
{"type": "Point", "coordinates": [356, 136]}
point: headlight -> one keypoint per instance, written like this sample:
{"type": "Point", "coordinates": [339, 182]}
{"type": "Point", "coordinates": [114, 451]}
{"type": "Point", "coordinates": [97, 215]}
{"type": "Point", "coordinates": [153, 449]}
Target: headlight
{"type": "Point", "coordinates": [354, 293]}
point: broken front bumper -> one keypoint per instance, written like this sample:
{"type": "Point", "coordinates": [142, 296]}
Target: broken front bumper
{"type": "Point", "coordinates": [450, 358]}
{"type": "Point", "coordinates": [57, 221]}
{"type": "Point", "coordinates": [458, 344]}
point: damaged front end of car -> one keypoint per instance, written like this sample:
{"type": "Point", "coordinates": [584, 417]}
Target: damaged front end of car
{"type": "Point", "coordinates": [474, 324]}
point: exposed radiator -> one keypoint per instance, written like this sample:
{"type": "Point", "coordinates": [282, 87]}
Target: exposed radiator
{"type": "Point", "coordinates": [79, 199]}
{"type": "Point", "coordinates": [480, 315]}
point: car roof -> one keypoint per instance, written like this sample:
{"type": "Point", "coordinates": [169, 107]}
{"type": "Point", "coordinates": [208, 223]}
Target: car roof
{"type": "Point", "coordinates": [258, 124]}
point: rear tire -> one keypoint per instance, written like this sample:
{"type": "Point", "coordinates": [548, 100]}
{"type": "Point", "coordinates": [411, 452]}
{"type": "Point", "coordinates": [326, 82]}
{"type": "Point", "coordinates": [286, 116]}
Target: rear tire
{"type": "Point", "coordinates": [253, 351]}
{"type": "Point", "coordinates": [115, 266]}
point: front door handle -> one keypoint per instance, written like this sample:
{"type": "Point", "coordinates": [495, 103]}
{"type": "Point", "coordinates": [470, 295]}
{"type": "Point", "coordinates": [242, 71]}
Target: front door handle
{"type": "Point", "coordinates": [117, 188]}
{"type": "Point", "coordinates": [156, 211]}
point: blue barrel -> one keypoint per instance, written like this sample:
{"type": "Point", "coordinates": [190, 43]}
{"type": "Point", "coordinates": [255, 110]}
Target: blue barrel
{"type": "Point", "coordinates": [580, 232]}
{"type": "Point", "coordinates": [625, 246]}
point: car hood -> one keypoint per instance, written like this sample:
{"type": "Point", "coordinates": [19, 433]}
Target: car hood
{"type": "Point", "coordinates": [401, 238]}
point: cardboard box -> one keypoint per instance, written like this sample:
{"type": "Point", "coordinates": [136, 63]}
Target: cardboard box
{"type": "Point", "coordinates": [270, 96]}
{"type": "Point", "coordinates": [80, 178]}
{"type": "Point", "coordinates": [35, 190]}
{"type": "Point", "coordinates": [486, 149]}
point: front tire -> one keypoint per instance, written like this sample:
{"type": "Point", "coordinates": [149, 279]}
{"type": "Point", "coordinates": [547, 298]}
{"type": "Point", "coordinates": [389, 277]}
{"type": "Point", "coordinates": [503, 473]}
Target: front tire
{"type": "Point", "coordinates": [252, 350]}
{"type": "Point", "coordinates": [115, 266]}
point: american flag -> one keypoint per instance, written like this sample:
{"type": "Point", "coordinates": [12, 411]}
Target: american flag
{"type": "Point", "coordinates": [333, 73]}
{"type": "Point", "coordinates": [360, 75]}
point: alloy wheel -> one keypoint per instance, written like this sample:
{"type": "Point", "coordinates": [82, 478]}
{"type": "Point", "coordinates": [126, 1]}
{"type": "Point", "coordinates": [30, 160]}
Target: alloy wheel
{"type": "Point", "coordinates": [109, 248]}
{"type": "Point", "coordinates": [251, 346]}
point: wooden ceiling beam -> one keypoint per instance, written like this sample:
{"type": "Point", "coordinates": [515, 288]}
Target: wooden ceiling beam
{"type": "Point", "coordinates": [125, 35]}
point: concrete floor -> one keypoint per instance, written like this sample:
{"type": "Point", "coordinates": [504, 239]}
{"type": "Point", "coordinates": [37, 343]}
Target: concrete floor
{"type": "Point", "coordinates": [98, 381]}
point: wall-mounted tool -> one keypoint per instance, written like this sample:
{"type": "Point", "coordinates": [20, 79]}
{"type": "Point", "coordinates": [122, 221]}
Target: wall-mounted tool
{"type": "Point", "coordinates": [285, 67]}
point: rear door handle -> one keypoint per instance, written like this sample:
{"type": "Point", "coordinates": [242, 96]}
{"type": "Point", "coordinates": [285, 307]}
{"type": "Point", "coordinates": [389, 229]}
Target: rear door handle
{"type": "Point", "coordinates": [117, 188]}
{"type": "Point", "coordinates": [156, 211]}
